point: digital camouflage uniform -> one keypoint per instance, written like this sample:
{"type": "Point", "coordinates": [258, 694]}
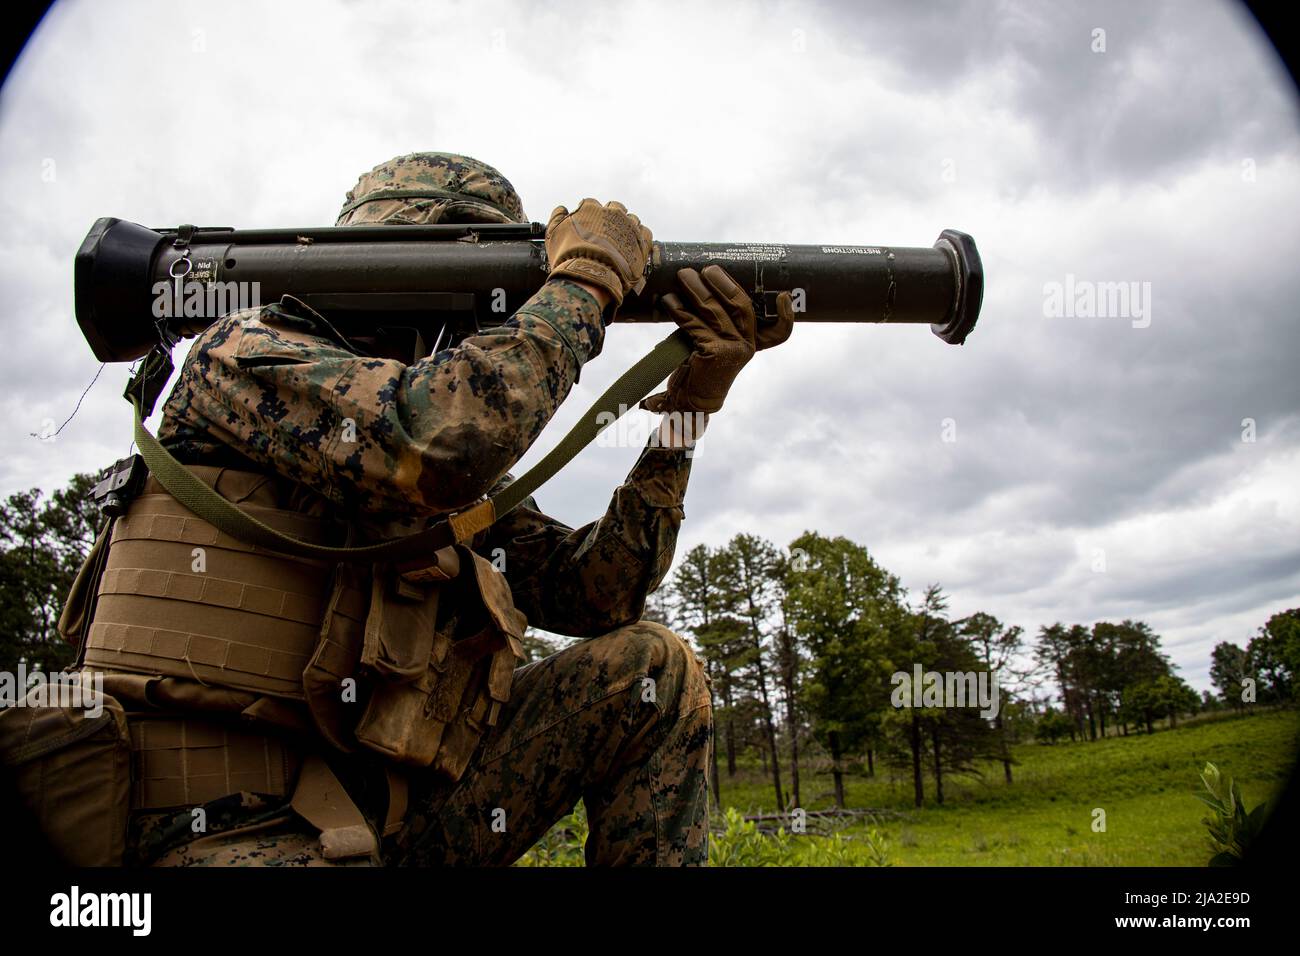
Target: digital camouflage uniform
{"type": "Point", "coordinates": [621, 720]}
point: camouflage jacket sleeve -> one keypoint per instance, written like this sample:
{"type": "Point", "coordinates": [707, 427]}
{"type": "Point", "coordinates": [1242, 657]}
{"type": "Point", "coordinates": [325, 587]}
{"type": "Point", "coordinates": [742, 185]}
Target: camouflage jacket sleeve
{"type": "Point", "coordinates": [375, 435]}
{"type": "Point", "coordinates": [588, 581]}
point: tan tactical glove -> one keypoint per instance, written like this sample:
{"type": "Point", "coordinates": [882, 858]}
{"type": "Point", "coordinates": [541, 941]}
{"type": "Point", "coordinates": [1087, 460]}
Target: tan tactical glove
{"type": "Point", "coordinates": [719, 318]}
{"type": "Point", "coordinates": [604, 245]}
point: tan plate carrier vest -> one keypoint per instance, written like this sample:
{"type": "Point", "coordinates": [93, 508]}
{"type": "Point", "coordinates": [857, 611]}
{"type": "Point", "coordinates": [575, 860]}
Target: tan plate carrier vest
{"type": "Point", "coordinates": [191, 624]}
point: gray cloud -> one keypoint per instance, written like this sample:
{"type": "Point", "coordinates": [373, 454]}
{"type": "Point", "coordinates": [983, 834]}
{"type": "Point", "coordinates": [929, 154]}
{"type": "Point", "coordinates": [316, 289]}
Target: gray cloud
{"type": "Point", "coordinates": [1176, 84]}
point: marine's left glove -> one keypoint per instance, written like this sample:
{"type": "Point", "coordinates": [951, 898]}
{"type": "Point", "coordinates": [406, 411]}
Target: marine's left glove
{"type": "Point", "coordinates": [719, 317]}
{"type": "Point", "coordinates": [604, 245]}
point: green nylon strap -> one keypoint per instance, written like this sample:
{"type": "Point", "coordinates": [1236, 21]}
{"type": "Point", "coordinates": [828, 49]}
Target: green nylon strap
{"type": "Point", "coordinates": [632, 386]}
{"type": "Point", "coordinates": [626, 393]}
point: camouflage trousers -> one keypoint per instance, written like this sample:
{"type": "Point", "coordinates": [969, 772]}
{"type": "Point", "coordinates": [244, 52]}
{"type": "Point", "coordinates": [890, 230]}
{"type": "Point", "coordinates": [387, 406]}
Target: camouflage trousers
{"type": "Point", "coordinates": [622, 721]}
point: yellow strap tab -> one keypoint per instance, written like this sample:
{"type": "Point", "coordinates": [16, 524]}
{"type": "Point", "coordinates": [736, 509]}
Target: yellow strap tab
{"type": "Point", "coordinates": [465, 524]}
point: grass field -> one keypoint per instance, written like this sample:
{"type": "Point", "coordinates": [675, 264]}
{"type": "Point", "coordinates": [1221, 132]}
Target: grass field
{"type": "Point", "coordinates": [1145, 784]}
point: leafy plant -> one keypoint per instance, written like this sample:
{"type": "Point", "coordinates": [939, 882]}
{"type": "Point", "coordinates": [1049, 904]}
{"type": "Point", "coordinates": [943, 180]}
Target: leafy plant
{"type": "Point", "coordinates": [741, 843]}
{"type": "Point", "coordinates": [877, 847]}
{"type": "Point", "coordinates": [1232, 829]}
{"type": "Point", "coordinates": [563, 845]}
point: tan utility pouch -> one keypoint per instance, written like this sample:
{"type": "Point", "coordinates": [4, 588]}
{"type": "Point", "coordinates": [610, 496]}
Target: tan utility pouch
{"type": "Point", "coordinates": [440, 688]}
{"type": "Point", "coordinates": [73, 770]}
{"type": "Point", "coordinates": [332, 679]}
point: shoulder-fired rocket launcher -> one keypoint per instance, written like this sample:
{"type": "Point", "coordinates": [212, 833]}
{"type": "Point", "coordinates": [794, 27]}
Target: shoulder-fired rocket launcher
{"type": "Point", "coordinates": [133, 282]}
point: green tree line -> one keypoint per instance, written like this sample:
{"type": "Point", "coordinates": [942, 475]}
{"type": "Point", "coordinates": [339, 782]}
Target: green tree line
{"type": "Point", "coordinates": [802, 646]}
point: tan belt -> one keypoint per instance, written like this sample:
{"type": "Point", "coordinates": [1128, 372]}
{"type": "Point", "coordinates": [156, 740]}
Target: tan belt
{"type": "Point", "coordinates": [182, 762]}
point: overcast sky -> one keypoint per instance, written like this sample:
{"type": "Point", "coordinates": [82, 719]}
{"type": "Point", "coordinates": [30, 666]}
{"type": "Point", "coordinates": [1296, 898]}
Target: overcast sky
{"type": "Point", "coordinates": [1169, 158]}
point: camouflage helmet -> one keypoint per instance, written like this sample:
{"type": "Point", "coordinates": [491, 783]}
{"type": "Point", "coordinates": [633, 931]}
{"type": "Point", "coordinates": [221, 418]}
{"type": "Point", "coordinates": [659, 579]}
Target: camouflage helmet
{"type": "Point", "coordinates": [431, 187]}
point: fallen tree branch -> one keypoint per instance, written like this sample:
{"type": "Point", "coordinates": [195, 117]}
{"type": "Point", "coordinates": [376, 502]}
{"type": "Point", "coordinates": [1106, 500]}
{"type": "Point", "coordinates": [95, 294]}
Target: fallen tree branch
{"type": "Point", "coordinates": [817, 822]}
{"type": "Point", "coordinates": [836, 813]}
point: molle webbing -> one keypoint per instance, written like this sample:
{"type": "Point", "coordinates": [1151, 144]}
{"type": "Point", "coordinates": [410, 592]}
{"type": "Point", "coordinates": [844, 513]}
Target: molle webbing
{"type": "Point", "coordinates": [180, 762]}
{"type": "Point", "coordinates": [228, 614]}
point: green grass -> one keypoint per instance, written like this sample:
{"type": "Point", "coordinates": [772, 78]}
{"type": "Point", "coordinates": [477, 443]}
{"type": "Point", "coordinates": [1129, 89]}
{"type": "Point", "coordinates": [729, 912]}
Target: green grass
{"type": "Point", "coordinates": [1145, 784]}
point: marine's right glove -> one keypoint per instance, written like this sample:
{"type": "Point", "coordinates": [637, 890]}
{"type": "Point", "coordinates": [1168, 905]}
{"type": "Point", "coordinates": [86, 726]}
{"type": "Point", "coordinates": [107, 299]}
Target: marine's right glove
{"type": "Point", "coordinates": [719, 317]}
{"type": "Point", "coordinates": [604, 245]}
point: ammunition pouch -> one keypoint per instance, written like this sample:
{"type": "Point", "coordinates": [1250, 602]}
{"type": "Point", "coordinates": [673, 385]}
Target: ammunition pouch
{"type": "Point", "coordinates": [442, 678]}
